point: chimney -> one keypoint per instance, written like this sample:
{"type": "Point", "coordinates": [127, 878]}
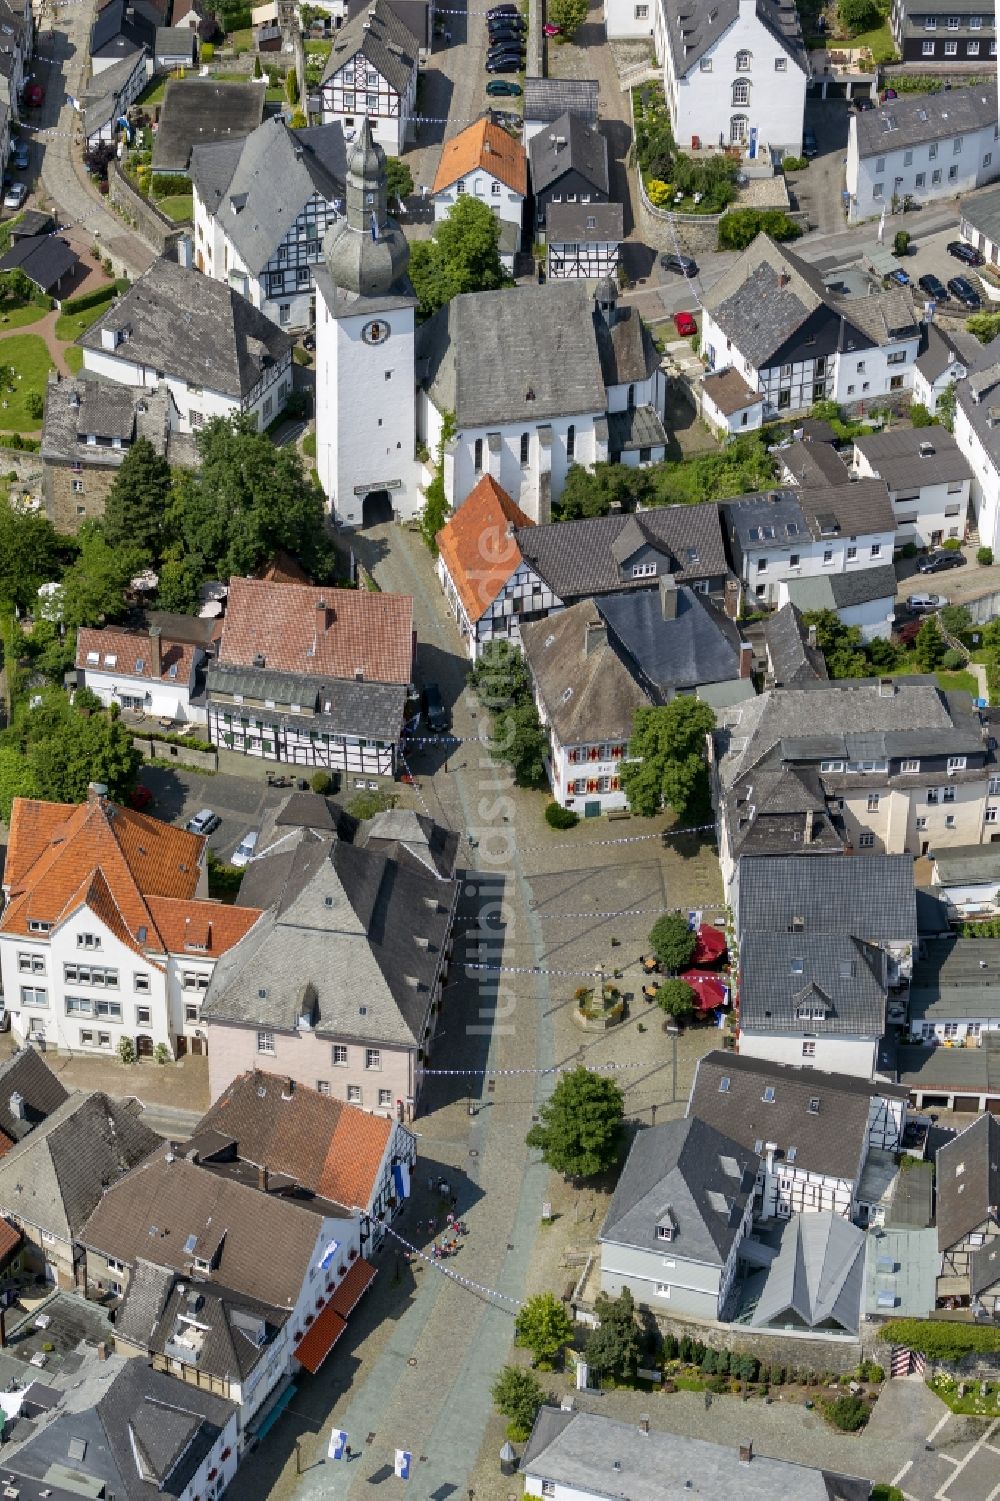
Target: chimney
{"type": "Point", "coordinates": [746, 659]}
{"type": "Point", "coordinates": [668, 596]}
{"type": "Point", "coordinates": [783, 279]}
{"type": "Point", "coordinates": [185, 252]}
{"type": "Point", "coordinates": [746, 1452]}
{"type": "Point", "coordinates": [17, 1109]}
{"type": "Point", "coordinates": [886, 688]}
{"type": "Point", "coordinates": [811, 637]}
{"type": "Point", "coordinates": [155, 653]}
{"type": "Point", "coordinates": [262, 1178]}
{"type": "Point", "coordinates": [731, 598]}
{"type": "Point", "coordinates": [596, 637]}
{"type": "Point", "coordinates": [97, 792]}
{"type": "Point", "coordinates": [644, 1422]}
{"type": "Point", "coordinates": [102, 1349]}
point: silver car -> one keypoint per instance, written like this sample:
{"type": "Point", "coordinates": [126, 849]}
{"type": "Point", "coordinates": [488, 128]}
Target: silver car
{"type": "Point", "coordinates": [203, 822]}
{"type": "Point", "coordinates": [244, 851]}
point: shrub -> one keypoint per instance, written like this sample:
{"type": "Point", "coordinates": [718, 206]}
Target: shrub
{"type": "Point", "coordinates": [984, 557]}
{"type": "Point", "coordinates": [940, 1340]}
{"type": "Point", "coordinates": [89, 299]}
{"type": "Point", "coordinates": [919, 415]}
{"type": "Point", "coordinates": [847, 1413]}
{"type": "Point", "coordinates": [794, 163]}
{"type": "Point", "coordinates": [953, 661]}
{"type": "Point", "coordinates": [367, 804]}
{"type": "Point", "coordinates": [741, 226]}
{"type": "Point", "coordinates": [870, 1370]}
{"type": "Point", "coordinates": [208, 53]}
{"type": "Point", "coordinates": [297, 405]}
{"type": "Point", "coordinates": [161, 1053]}
{"type": "Point", "coordinates": [34, 405]}
{"type": "Point", "coordinates": [676, 998]}
{"type": "Point", "coordinates": [166, 184]}
{"type": "Point", "coordinates": [901, 242]}
{"type": "Point", "coordinates": [859, 15]}
{"type": "Point", "coordinates": [951, 544]}
{"type": "Point", "coordinates": [558, 817]}
{"type": "Point", "coordinates": [908, 550]}
{"type": "Point", "coordinates": [126, 1050]}
{"type": "Point", "coordinates": [321, 782]}
{"type": "Point", "coordinates": [658, 192]}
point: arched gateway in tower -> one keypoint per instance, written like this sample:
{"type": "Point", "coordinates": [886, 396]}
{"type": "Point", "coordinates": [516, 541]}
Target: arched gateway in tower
{"type": "Point", "coordinates": [365, 387]}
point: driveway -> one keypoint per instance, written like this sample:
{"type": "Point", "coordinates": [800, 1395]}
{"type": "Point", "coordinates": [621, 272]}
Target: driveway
{"type": "Point", "coordinates": [240, 801]}
{"type": "Point", "coordinates": [817, 190]}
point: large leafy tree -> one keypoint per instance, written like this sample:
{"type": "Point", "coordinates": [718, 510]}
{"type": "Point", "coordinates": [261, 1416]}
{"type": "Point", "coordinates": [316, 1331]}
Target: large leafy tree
{"type": "Point", "coordinates": [500, 675]}
{"type": "Point", "coordinates": [667, 759]}
{"type": "Point", "coordinates": [568, 14]}
{"type": "Point", "coordinates": [463, 255]}
{"type": "Point", "coordinates": [53, 751]}
{"type": "Point", "coordinates": [615, 1345]}
{"type": "Point", "coordinates": [93, 588]}
{"type": "Point", "coordinates": [518, 1395]}
{"type": "Point", "coordinates": [517, 737]}
{"type": "Point", "coordinates": [135, 510]}
{"type": "Point", "coordinates": [17, 779]}
{"type": "Point", "coordinates": [929, 647]}
{"type": "Point", "coordinates": [676, 998]}
{"type": "Point", "coordinates": [593, 492]}
{"type": "Point", "coordinates": [543, 1327]}
{"type": "Point", "coordinates": [29, 554]}
{"type": "Point", "coordinates": [673, 941]}
{"type": "Point", "coordinates": [580, 1130]}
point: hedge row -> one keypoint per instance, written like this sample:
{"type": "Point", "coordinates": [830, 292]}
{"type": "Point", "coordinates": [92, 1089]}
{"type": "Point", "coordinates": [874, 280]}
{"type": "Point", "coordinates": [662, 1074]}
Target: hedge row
{"type": "Point", "coordinates": [94, 299]}
{"type": "Point", "coordinates": [165, 184]}
{"type": "Point", "coordinates": [941, 1340]}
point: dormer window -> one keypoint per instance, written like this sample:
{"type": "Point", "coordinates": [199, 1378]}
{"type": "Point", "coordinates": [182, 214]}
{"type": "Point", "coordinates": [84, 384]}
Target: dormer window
{"type": "Point", "coordinates": [768, 1095]}
{"type": "Point", "coordinates": [664, 1230]}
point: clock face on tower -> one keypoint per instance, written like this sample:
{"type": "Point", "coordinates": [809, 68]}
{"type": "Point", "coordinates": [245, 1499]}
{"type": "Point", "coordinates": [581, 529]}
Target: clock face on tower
{"type": "Point", "coordinates": [375, 332]}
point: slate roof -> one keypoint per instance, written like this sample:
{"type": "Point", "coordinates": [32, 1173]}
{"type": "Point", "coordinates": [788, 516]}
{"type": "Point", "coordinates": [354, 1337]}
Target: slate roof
{"type": "Point", "coordinates": [170, 1203]}
{"type": "Point", "coordinates": [907, 457]}
{"type": "Point", "coordinates": [817, 1278]}
{"type": "Point", "coordinates": [399, 832]}
{"type": "Point", "coordinates": [691, 33]}
{"type": "Point", "coordinates": [830, 1138]}
{"type": "Point", "coordinates": [44, 259]}
{"type": "Point", "coordinates": [689, 1171]}
{"type": "Point", "coordinates": [855, 510]}
{"type": "Point", "coordinates": [785, 978]}
{"type": "Point", "coordinates": [200, 330]}
{"type": "Point", "coordinates": [584, 1453]}
{"type": "Point", "coordinates": [121, 29]}
{"type": "Point", "coordinates": [967, 1071]}
{"type": "Point", "coordinates": [955, 978]}
{"type": "Point", "coordinates": [938, 350]}
{"type": "Point", "coordinates": [521, 354]}
{"type": "Point", "coordinates": [547, 98]}
{"type": "Point", "coordinates": [839, 591]}
{"type": "Point", "coordinates": [696, 645]}
{"type": "Point", "coordinates": [634, 429]}
{"type": "Point", "coordinates": [56, 1175]}
{"type": "Point", "coordinates": [483, 144]}
{"type": "Point", "coordinates": [787, 815]}
{"type": "Point", "coordinates": [196, 110]}
{"type": "Point", "coordinates": [575, 558]}
{"type": "Point", "coordinates": [968, 864]}
{"type": "Point", "coordinates": [871, 898]}
{"type": "Point", "coordinates": [330, 1148]}
{"type": "Point", "coordinates": [380, 35]}
{"type": "Point", "coordinates": [587, 690]}
{"type": "Point", "coordinates": [569, 144]}
{"type": "Point", "coordinates": [327, 945]}
{"type": "Point", "coordinates": [968, 1181]}
{"type": "Point", "coordinates": [174, 41]}
{"type": "Point", "coordinates": [318, 632]}
{"type": "Point", "coordinates": [132, 411]}
{"type": "Point", "coordinates": [25, 1073]}
{"type": "Point", "coordinates": [811, 463]}
{"type": "Point", "coordinates": [478, 545]}
{"type": "Point", "coordinates": [626, 348]}
{"type": "Point", "coordinates": [257, 187]}
{"type": "Point", "coordinates": [916, 119]}
{"type": "Point", "coordinates": [373, 711]}
{"type": "Point", "coordinates": [982, 211]}
{"type": "Point", "coordinates": [726, 388]}
{"type": "Point", "coordinates": [792, 662]}
{"type": "Point", "coordinates": [584, 223]}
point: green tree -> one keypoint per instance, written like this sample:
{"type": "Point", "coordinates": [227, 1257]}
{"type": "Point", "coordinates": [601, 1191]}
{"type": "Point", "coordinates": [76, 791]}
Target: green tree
{"type": "Point", "coordinates": [17, 779]}
{"type": "Point", "coordinates": [569, 15]}
{"type": "Point", "coordinates": [93, 588]}
{"type": "Point", "coordinates": [500, 676]}
{"type": "Point", "coordinates": [676, 998]}
{"type": "Point", "coordinates": [16, 289]}
{"type": "Point", "coordinates": [739, 227]}
{"type": "Point", "coordinates": [463, 255]}
{"type": "Point", "coordinates": [137, 501]}
{"type": "Point", "coordinates": [946, 404]}
{"type": "Point", "coordinates": [841, 645]}
{"type": "Point", "coordinates": [517, 1396]}
{"type": "Point", "coordinates": [29, 554]}
{"type": "Point", "coordinates": [667, 759]}
{"type": "Point", "coordinates": [597, 491]}
{"type": "Point", "coordinates": [180, 580]}
{"type": "Point", "coordinates": [615, 1345]}
{"type": "Point", "coordinates": [258, 71]}
{"type": "Point", "coordinates": [859, 15]}
{"type": "Point", "coordinates": [517, 736]}
{"type": "Point", "coordinates": [543, 1327]}
{"type": "Point", "coordinates": [580, 1130]}
{"type": "Point", "coordinates": [126, 1050]}
{"type": "Point", "coordinates": [398, 179]}
{"type": "Point", "coordinates": [929, 647]}
{"type": "Point", "coordinates": [956, 619]}
{"type": "Point", "coordinates": [672, 942]}
{"type": "Point", "coordinates": [67, 751]}
{"type": "Point", "coordinates": [292, 86]}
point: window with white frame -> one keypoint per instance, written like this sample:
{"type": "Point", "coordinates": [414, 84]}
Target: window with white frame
{"type": "Point", "coordinates": [265, 1042]}
{"type": "Point", "coordinates": [31, 964]}
{"type": "Point", "coordinates": [809, 1050]}
{"type": "Point", "coordinates": [866, 841]}
{"type": "Point", "coordinates": [31, 995]}
{"type": "Point", "coordinates": [956, 763]}
{"type": "Point", "coordinates": [384, 1099]}
{"type": "Point", "coordinates": [88, 940]}
{"type": "Point", "coordinates": [741, 91]}
{"type": "Point", "coordinates": [991, 813]}
{"type": "Point", "coordinates": [743, 61]}
{"type": "Point", "coordinates": [911, 763]}
{"type": "Point", "coordinates": [339, 1055]}
{"type": "Point", "coordinates": [354, 1094]}
{"type": "Point", "coordinates": [373, 1058]}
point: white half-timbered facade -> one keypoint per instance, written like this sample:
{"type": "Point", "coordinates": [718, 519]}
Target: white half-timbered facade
{"type": "Point", "coordinates": [372, 72]}
{"type": "Point", "coordinates": [584, 240]}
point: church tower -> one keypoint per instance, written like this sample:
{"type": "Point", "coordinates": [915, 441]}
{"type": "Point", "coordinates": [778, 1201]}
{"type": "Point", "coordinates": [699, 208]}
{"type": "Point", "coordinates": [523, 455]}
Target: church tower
{"type": "Point", "coordinates": [365, 382]}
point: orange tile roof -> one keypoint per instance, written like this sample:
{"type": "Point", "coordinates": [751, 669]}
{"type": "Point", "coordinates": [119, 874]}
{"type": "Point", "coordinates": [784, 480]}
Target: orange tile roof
{"type": "Point", "coordinates": [477, 549]}
{"type": "Point", "coordinates": [10, 1241]}
{"type": "Point", "coordinates": [130, 647]}
{"type": "Point", "coordinates": [199, 926]}
{"type": "Point", "coordinates": [319, 632]}
{"type": "Point", "coordinates": [5, 1143]}
{"type": "Point", "coordinates": [319, 1340]}
{"type": "Point", "coordinates": [348, 1293]}
{"type": "Point", "coordinates": [485, 145]}
{"type": "Point", "coordinates": [110, 858]}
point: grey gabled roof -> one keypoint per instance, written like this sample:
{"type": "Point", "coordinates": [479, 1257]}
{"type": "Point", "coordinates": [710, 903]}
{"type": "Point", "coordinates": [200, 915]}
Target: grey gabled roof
{"type": "Point", "coordinates": [907, 457]}
{"type": "Point", "coordinates": [968, 864]}
{"type": "Point", "coordinates": [194, 328]}
{"type": "Point", "coordinates": [694, 1173]}
{"type": "Point", "coordinates": [634, 429]}
{"type": "Point", "coordinates": [584, 223]}
{"type": "Point", "coordinates": [939, 351]}
{"type": "Point", "coordinates": [175, 41]}
{"type": "Point", "coordinates": [817, 1278]}
{"type": "Point", "coordinates": [696, 645]}
{"type": "Point", "coordinates": [197, 110]}
{"type": "Point", "coordinates": [272, 175]}
{"type": "Point", "coordinates": [814, 463]}
{"type": "Point", "coordinates": [44, 259]}
{"type": "Point", "coordinates": [130, 411]}
{"type": "Point", "coordinates": [547, 98]}
{"type": "Point", "coordinates": [569, 144]}
{"type": "Point", "coordinates": [692, 30]}
{"type": "Point", "coordinates": [785, 978]}
{"type": "Point", "coordinates": [382, 38]}
{"type": "Point", "coordinates": [916, 119]}
{"type": "Point", "coordinates": [871, 898]}
{"type": "Point", "coordinates": [968, 1181]}
{"type": "Point", "coordinates": [371, 710]}
{"type": "Point", "coordinates": [590, 556]}
{"type": "Point", "coordinates": [522, 354]}
{"type": "Point", "coordinates": [982, 211]}
{"type": "Point", "coordinates": [856, 509]}
{"type": "Point", "coordinates": [587, 1454]}
{"type": "Point", "coordinates": [587, 690]}
{"type": "Point", "coordinates": [838, 591]}
{"type": "Point", "coordinates": [790, 658]}
{"type": "Point", "coordinates": [956, 978]}
{"type": "Point", "coordinates": [824, 1116]}
{"type": "Point", "coordinates": [625, 346]}
{"type": "Point", "coordinates": [26, 1074]}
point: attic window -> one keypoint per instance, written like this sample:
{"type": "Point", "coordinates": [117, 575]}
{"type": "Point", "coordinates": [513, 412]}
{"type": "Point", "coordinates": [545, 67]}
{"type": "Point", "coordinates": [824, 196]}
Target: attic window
{"type": "Point", "coordinates": [201, 1265]}
{"type": "Point", "coordinates": [190, 1244]}
{"type": "Point", "coordinates": [797, 925]}
{"type": "Point", "coordinates": [141, 934]}
{"type": "Point", "coordinates": [172, 670]}
{"type": "Point", "coordinates": [664, 1231]}
{"type": "Point", "coordinates": [93, 658]}
{"type": "Point", "coordinates": [262, 993]}
{"type": "Point", "coordinates": [768, 1095]}
{"type": "Point", "coordinates": [110, 660]}
{"type": "Point", "coordinates": [567, 694]}
{"type": "Point", "coordinates": [798, 966]}
{"type": "Point", "coordinates": [724, 1084]}
{"type": "Point", "coordinates": [362, 1010]}
{"type": "Point", "coordinates": [814, 1105]}
{"type": "Point", "coordinates": [77, 1449]}
{"type": "Point", "coordinates": [328, 901]}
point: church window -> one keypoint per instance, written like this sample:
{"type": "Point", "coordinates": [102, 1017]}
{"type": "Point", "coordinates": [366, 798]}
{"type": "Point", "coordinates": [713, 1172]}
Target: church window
{"type": "Point", "coordinates": [478, 460]}
{"type": "Point", "coordinates": [570, 443]}
{"type": "Point", "coordinates": [525, 448]}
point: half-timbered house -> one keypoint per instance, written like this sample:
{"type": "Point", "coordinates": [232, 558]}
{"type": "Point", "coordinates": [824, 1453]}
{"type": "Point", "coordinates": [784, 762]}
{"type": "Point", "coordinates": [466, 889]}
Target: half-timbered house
{"type": "Point", "coordinates": [968, 1217]}
{"type": "Point", "coordinates": [584, 240]}
{"type": "Point", "coordinates": [262, 205]}
{"type": "Point", "coordinates": [489, 588]}
{"type": "Point", "coordinates": [372, 71]}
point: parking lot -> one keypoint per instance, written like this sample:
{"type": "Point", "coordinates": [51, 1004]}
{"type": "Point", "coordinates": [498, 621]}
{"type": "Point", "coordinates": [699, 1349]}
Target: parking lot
{"type": "Point", "coordinates": [239, 801]}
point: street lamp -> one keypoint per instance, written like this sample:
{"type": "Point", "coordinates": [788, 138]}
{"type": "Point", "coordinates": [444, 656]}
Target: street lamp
{"type": "Point", "coordinates": [672, 1031]}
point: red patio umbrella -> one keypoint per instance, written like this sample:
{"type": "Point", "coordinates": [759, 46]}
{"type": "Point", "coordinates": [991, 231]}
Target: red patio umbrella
{"type": "Point", "coordinates": [710, 947]}
{"type": "Point", "coordinates": [710, 991]}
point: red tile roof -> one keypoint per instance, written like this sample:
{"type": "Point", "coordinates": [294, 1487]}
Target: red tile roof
{"type": "Point", "coordinates": [348, 1293]}
{"type": "Point", "coordinates": [5, 1143]}
{"type": "Point", "coordinates": [477, 548]}
{"type": "Point", "coordinates": [320, 632]}
{"type": "Point", "coordinates": [488, 146]}
{"type": "Point", "coordinates": [127, 648]}
{"type": "Point", "coordinates": [200, 927]}
{"type": "Point", "coordinates": [319, 1340]}
{"type": "Point", "coordinates": [11, 1241]}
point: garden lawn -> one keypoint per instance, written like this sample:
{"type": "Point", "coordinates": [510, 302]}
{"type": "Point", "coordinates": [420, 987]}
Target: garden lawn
{"type": "Point", "coordinates": [30, 359]}
{"type": "Point", "coordinates": [177, 206]}
{"type": "Point", "coordinates": [153, 93]}
{"type": "Point", "coordinates": [20, 317]}
{"type": "Point", "coordinates": [954, 681]}
{"type": "Point", "coordinates": [70, 326]}
{"type": "Point", "coordinates": [74, 358]}
{"type": "Point", "coordinates": [879, 40]}
{"type": "Point", "coordinates": [241, 41]}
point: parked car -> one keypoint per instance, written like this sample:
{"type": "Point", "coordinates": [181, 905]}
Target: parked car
{"type": "Point", "coordinates": [967, 253]}
{"type": "Point", "coordinates": [502, 10]}
{"type": "Point", "coordinates": [934, 287]}
{"type": "Point", "coordinates": [899, 277]}
{"type": "Point", "coordinates": [502, 88]}
{"type": "Point", "coordinates": [435, 714]}
{"type": "Point", "coordinates": [923, 604]}
{"type": "Point", "coordinates": [203, 822]}
{"type": "Point", "coordinates": [34, 95]}
{"type": "Point", "coordinates": [810, 145]}
{"type": "Point", "coordinates": [682, 264]}
{"type": "Point", "coordinates": [507, 41]}
{"type": "Point", "coordinates": [685, 325]}
{"type": "Point", "coordinates": [140, 797]}
{"type": "Point", "coordinates": [551, 30]}
{"type": "Point", "coordinates": [508, 63]}
{"type": "Point", "coordinates": [964, 292]}
{"type": "Point", "coordinates": [15, 195]}
{"type": "Point", "coordinates": [244, 851]}
{"type": "Point", "coordinates": [505, 49]}
{"type": "Point", "coordinates": [938, 562]}
{"type": "Point", "coordinates": [20, 155]}
{"type": "Point", "coordinates": [507, 23]}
